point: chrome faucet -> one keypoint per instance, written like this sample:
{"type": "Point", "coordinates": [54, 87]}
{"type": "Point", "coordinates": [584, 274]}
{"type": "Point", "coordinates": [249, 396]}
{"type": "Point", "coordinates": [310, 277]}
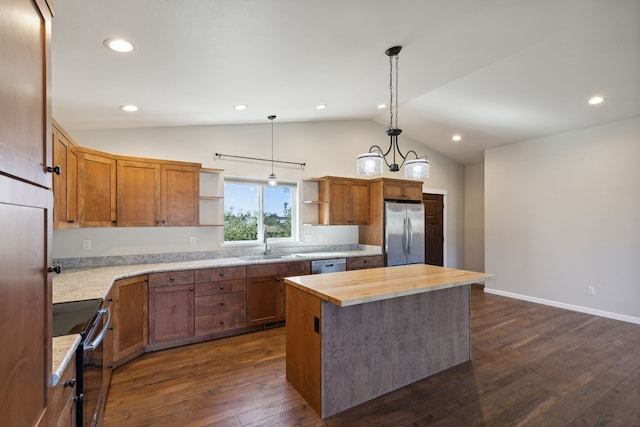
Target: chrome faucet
{"type": "Point", "coordinates": [267, 249]}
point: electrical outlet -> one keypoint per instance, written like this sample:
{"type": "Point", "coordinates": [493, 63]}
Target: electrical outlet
{"type": "Point", "coordinates": [86, 244]}
{"type": "Point", "coordinates": [591, 290]}
{"type": "Point", "coordinates": [192, 241]}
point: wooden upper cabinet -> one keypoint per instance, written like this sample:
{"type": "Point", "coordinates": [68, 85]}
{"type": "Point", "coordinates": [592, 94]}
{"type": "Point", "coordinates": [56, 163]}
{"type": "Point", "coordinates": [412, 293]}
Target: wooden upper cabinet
{"type": "Point", "coordinates": [138, 193]}
{"type": "Point", "coordinates": [157, 194]}
{"type": "Point", "coordinates": [346, 201]}
{"type": "Point", "coordinates": [65, 185]}
{"type": "Point", "coordinates": [97, 189]}
{"type": "Point", "coordinates": [180, 194]}
{"type": "Point", "coordinates": [402, 190]}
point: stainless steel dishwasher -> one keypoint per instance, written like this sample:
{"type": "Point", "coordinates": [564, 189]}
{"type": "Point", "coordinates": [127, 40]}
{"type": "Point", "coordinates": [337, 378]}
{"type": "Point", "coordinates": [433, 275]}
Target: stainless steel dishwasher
{"type": "Point", "coordinates": [322, 266]}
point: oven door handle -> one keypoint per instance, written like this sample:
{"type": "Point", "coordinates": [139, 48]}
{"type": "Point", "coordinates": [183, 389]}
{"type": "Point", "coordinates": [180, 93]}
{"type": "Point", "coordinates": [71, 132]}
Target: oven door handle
{"type": "Point", "coordinates": [96, 342]}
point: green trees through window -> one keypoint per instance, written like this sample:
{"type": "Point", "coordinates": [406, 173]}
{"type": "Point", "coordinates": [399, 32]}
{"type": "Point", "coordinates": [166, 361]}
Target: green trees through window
{"type": "Point", "coordinates": [252, 209]}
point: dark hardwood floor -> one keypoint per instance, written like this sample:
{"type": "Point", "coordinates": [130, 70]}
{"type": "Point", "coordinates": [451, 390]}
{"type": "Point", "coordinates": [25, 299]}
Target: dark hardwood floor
{"type": "Point", "coordinates": [532, 365]}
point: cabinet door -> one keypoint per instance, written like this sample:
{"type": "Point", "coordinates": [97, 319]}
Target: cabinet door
{"type": "Point", "coordinates": [180, 195]}
{"type": "Point", "coordinates": [413, 191]}
{"type": "Point", "coordinates": [359, 203]}
{"type": "Point", "coordinates": [25, 301]}
{"type": "Point", "coordinates": [65, 185]}
{"type": "Point", "coordinates": [138, 194]}
{"type": "Point", "coordinates": [97, 190]}
{"type": "Point", "coordinates": [393, 190]}
{"type": "Point", "coordinates": [339, 201]}
{"type": "Point", "coordinates": [171, 313]}
{"type": "Point", "coordinates": [25, 124]}
{"type": "Point", "coordinates": [262, 297]}
{"type": "Point", "coordinates": [131, 334]}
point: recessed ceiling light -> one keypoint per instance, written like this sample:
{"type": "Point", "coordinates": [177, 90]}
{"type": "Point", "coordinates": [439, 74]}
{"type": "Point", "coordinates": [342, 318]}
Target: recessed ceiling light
{"type": "Point", "coordinates": [118, 45]}
{"type": "Point", "coordinates": [595, 100]}
{"type": "Point", "coordinates": [321, 106]}
{"type": "Point", "coordinates": [381, 106]}
{"type": "Point", "coordinates": [129, 108]}
{"type": "Point", "coordinates": [240, 107]}
{"type": "Point", "coordinates": [456, 138]}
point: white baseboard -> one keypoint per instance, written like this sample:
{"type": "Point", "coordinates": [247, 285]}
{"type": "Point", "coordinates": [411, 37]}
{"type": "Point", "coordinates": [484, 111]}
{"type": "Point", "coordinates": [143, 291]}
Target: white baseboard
{"type": "Point", "coordinates": [578, 308]}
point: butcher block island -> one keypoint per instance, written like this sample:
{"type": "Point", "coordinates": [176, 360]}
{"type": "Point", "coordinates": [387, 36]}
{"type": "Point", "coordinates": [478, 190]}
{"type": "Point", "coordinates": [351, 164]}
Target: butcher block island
{"type": "Point", "coordinates": [355, 335]}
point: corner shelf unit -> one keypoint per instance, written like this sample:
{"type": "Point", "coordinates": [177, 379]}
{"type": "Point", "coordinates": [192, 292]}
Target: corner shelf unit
{"type": "Point", "coordinates": [211, 197]}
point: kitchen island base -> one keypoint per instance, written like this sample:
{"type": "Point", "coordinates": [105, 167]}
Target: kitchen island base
{"type": "Point", "coordinates": [339, 357]}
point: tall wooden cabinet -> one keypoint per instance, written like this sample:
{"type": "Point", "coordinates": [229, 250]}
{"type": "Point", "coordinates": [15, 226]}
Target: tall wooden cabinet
{"type": "Point", "coordinates": [26, 212]}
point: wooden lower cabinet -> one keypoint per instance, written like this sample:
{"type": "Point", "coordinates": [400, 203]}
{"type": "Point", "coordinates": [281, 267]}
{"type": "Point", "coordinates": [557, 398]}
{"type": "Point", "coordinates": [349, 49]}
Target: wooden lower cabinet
{"type": "Point", "coordinates": [362, 262]}
{"type": "Point", "coordinates": [129, 318]}
{"type": "Point", "coordinates": [63, 403]}
{"type": "Point", "coordinates": [266, 300]}
{"type": "Point", "coordinates": [220, 300]}
{"type": "Point", "coordinates": [171, 306]}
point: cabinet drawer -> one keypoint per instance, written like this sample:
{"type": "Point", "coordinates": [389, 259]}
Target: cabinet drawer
{"type": "Point", "coordinates": [171, 278]}
{"type": "Point", "coordinates": [279, 269]}
{"type": "Point", "coordinates": [359, 263]}
{"type": "Point", "coordinates": [219, 322]}
{"type": "Point", "coordinates": [221, 273]}
{"type": "Point", "coordinates": [221, 287]}
{"type": "Point", "coordinates": [220, 302]}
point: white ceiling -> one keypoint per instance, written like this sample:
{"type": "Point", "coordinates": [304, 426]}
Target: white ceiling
{"type": "Point", "coordinates": [495, 71]}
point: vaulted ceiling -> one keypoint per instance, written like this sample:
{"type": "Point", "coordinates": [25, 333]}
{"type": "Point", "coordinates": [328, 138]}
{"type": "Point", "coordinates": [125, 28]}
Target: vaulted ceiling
{"type": "Point", "coordinates": [494, 72]}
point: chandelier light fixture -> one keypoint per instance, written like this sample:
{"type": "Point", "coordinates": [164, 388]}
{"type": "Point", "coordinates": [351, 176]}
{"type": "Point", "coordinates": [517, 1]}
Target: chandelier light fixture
{"type": "Point", "coordinates": [272, 180]}
{"type": "Point", "coordinates": [371, 163]}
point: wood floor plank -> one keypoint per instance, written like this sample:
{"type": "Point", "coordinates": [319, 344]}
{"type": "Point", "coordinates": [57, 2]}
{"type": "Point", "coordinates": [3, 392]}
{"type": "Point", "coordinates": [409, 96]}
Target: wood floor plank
{"type": "Point", "coordinates": [533, 365]}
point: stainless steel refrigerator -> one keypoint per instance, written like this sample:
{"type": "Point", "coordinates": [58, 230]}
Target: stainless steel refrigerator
{"type": "Point", "coordinates": [403, 233]}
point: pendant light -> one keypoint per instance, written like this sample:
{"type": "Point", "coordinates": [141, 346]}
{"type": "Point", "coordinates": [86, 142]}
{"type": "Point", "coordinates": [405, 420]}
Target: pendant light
{"type": "Point", "coordinates": [272, 180]}
{"type": "Point", "coordinates": [371, 163]}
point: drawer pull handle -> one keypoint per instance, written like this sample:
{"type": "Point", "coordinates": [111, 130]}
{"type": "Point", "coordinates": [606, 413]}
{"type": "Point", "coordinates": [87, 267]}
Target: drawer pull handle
{"type": "Point", "coordinates": [70, 383]}
{"type": "Point", "coordinates": [221, 302]}
{"type": "Point", "coordinates": [222, 274]}
{"type": "Point", "coordinates": [221, 286]}
{"type": "Point", "coordinates": [172, 278]}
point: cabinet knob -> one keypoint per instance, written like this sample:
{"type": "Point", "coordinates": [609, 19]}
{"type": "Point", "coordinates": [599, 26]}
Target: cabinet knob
{"type": "Point", "coordinates": [56, 169]}
{"type": "Point", "coordinates": [221, 302]}
{"type": "Point", "coordinates": [157, 222]}
{"type": "Point", "coordinates": [110, 366]}
{"type": "Point", "coordinates": [278, 279]}
{"type": "Point", "coordinates": [70, 383]}
{"type": "Point", "coordinates": [221, 286]}
{"type": "Point", "coordinates": [191, 289]}
{"type": "Point", "coordinates": [57, 269]}
{"type": "Point", "coordinates": [164, 221]}
{"type": "Point", "coordinates": [172, 278]}
{"type": "Point", "coordinates": [222, 322]}
{"type": "Point", "coordinates": [222, 274]}
{"type": "Point", "coordinates": [111, 328]}
{"type": "Point", "coordinates": [70, 221]}
{"type": "Point", "coordinates": [114, 222]}
{"type": "Point", "coordinates": [78, 398]}
{"type": "Point", "coordinates": [109, 299]}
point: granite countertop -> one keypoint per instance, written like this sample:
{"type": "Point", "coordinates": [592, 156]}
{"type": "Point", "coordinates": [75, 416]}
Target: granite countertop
{"type": "Point", "coordinates": [362, 286]}
{"type": "Point", "coordinates": [77, 284]}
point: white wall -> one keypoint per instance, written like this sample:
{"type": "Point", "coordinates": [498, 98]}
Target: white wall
{"type": "Point", "coordinates": [328, 148]}
{"type": "Point", "coordinates": [474, 217]}
{"type": "Point", "coordinates": [563, 213]}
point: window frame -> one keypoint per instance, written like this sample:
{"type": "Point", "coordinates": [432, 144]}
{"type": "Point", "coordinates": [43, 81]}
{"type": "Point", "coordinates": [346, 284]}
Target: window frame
{"type": "Point", "coordinates": [261, 184]}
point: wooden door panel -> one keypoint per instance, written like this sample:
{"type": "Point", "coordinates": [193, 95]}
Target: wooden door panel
{"type": "Point", "coordinates": [97, 190]}
{"type": "Point", "coordinates": [131, 334]}
{"type": "Point", "coordinates": [180, 195]}
{"type": "Point", "coordinates": [25, 301]}
{"type": "Point", "coordinates": [138, 194]}
{"type": "Point", "coordinates": [25, 124]}
{"type": "Point", "coordinates": [360, 203]}
{"type": "Point", "coordinates": [261, 300]}
{"type": "Point", "coordinates": [171, 313]}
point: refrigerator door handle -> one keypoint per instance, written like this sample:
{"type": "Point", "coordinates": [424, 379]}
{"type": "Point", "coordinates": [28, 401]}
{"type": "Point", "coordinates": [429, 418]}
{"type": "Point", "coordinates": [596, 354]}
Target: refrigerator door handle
{"type": "Point", "coordinates": [409, 236]}
{"type": "Point", "coordinates": [404, 236]}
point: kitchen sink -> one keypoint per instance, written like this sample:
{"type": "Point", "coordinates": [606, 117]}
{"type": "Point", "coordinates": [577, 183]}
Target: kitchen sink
{"type": "Point", "coordinates": [270, 256]}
